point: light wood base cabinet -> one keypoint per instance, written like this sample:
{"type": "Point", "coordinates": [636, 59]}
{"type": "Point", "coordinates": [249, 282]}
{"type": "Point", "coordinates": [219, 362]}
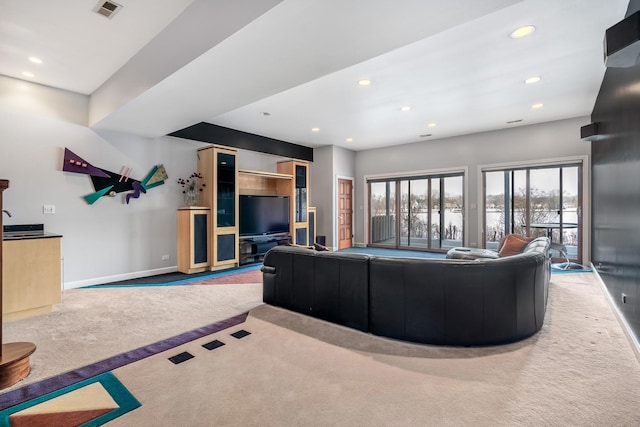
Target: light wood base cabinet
{"type": "Point", "coordinates": [193, 239]}
{"type": "Point", "coordinates": [31, 277]}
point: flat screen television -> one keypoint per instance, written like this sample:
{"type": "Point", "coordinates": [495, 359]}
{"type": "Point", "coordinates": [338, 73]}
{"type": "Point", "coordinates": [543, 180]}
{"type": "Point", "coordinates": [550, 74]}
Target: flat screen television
{"type": "Point", "coordinates": [262, 215]}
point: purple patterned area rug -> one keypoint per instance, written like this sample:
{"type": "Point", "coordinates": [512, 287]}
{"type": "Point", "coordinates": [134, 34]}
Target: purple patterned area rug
{"type": "Point", "coordinates": [49, 385]}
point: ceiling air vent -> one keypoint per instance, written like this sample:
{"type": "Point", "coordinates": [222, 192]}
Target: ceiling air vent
{"type": "Point", "coordinates": [107, 8]}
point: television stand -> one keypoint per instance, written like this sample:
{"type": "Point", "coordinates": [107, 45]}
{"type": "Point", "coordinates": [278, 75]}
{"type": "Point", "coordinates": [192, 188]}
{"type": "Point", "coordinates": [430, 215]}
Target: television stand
{"type": "Point", "coordinates": [253, 248]}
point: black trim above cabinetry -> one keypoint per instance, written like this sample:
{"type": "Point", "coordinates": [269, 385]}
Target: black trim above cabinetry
{"type": "Point", "coordinates": [214, 134]}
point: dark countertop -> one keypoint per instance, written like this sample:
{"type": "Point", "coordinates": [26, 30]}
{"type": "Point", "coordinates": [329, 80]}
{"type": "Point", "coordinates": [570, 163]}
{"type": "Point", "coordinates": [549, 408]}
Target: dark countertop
{"type": "Point", "coordinates": [25, 235]}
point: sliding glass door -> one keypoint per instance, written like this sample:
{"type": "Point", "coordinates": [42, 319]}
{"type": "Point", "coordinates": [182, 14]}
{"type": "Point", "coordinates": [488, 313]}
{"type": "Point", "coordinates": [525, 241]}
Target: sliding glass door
{"type": "Point", "coordinates": [535, 201]}
{"type": "Point", "coordinates": [429, 212]}
{"type": "Point", "coordinates": [382, 207]}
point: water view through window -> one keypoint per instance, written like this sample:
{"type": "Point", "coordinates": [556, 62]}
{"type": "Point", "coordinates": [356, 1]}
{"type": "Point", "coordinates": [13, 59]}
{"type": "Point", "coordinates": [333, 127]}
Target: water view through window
{"type": "Point", "coordinates": [424, 212]}
{"type": "Point", "coordinates": [541, 201]}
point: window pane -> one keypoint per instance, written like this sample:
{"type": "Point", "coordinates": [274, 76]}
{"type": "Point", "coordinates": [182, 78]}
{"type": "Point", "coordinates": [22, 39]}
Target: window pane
{"type": "Point", "coordinates": [518, 187]}
{"type": "Point", "coordinates": [494, 203]}
{"type": "Point", "coordinates": [453, 212]}
{"type": "Point", "coordinates": [383, 213]}
{"type": "Point", "coordinates": [570, 203]}
{"type": "Point", "coordinates": [544, 202]}
{"type": "Point", "coordinates": [404, 213]}
{"type": "Point", "coordinates": [419, 219]}
{"type": "Point", "coordinates": [435, 213]}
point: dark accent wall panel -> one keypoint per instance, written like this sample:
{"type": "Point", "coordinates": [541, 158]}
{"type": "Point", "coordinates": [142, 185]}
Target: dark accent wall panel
{"type": "Point", "coordinates": [213, 134]}
{"type": "Point", "coordinates": [615, 171]}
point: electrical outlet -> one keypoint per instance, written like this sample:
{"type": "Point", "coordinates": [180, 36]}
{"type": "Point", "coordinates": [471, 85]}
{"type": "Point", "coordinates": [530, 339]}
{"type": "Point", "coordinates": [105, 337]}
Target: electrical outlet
{"type": "Point", "coordinates": [48, 209]}
{"type": "Point", "coordinates": [165, 257]}
{"type": "Point", "coordinates": [623, 297]}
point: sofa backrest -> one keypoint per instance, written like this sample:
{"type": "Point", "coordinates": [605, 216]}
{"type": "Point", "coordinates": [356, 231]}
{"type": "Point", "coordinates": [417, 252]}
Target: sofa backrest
{"type": "Point", "coordinates": [333, 286]}
{"type": "Point", "coordinates": [435, 301]}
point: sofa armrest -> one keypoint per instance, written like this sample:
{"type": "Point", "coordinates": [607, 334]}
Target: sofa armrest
{"type": "Point", "coordinates": [268, 269]}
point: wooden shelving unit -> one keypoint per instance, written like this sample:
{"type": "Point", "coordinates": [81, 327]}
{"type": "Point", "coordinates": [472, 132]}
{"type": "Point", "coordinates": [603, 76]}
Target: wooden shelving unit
{"type": "Point", "coordinates": [299, 194]}
{"type": "Point", "coordinates": [224, 183]}
{"type": "Point", "coordinates": [264, 183]}
{"type": "Point", "coordinates": [218, 166]}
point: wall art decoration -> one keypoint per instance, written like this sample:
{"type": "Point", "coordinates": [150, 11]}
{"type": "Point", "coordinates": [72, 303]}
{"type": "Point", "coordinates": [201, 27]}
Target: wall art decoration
{"type": "Point", "coordinates": [107, 183]}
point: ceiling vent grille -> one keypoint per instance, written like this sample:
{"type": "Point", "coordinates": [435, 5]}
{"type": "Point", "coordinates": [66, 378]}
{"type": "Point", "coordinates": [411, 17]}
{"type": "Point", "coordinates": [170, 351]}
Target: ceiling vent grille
{"type": "Point", "coordinates": [107, 8]}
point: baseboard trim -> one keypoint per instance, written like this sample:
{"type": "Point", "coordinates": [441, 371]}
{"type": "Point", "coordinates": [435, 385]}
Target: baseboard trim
{"type": "Point", "coordinates": [118, 277]}
{"type": "Point", "coordinates": [635, 344]}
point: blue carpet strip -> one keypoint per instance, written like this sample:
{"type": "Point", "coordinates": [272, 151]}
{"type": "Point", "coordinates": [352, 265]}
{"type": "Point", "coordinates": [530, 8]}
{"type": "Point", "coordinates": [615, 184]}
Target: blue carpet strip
{"type": "Point", "coordinates": [40, 388]}
{"type": "Point", "coordinates": [187, 281]}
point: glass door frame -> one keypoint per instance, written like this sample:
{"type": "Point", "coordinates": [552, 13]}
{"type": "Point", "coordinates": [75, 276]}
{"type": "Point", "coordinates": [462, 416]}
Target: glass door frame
{"type": "Point", "coordinates": [582, 209]}
{"type": "Point", "coordinates": [396, 182]}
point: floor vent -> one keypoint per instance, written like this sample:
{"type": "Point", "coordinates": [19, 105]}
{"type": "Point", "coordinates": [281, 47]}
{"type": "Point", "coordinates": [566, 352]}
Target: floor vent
{"type": "Point", "coordinates": [107, 8]}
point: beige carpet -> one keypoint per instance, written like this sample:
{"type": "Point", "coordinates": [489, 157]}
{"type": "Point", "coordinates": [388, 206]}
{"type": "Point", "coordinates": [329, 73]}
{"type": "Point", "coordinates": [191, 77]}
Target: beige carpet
{"type": "Point", "coordinates": [294, 370]}
{"type": "Point", "coordinates": [93, 324]}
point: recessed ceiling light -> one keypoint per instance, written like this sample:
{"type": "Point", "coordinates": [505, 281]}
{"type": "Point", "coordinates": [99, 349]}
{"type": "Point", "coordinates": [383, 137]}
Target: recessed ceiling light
{"type": "Point", "coordinates": [265, 113]}
{"type": "Point", "coordinates": [531, 80]}
{"type": "Point", "coordinates": [537, 106]}
{"type": "Point", "coordinates": [431, 125]}
{"type": "Point", "coordinates": [315, 129]}
{"type": "Point", "coordinates": [349, 139]}
{"type": "Point", "coordinates": [27, 74]}
{"type": "Point", "coordinates": [364, 82]}
{"type": "Point", "coordinates": [524, 31]}
{"type": "Point", "coordinates": [405, 108]}
{"type": "Point", "coordinates": [35, 60]}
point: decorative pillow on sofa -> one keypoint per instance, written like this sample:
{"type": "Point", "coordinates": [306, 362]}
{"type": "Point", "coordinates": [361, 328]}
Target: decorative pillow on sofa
{"type": "Point", "coordinates": [513, 244]}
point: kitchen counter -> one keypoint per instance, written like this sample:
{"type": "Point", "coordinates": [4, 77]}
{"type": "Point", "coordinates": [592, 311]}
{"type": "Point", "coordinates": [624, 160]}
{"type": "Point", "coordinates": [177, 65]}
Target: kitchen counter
{"type": "Point", "coordinates": [31, 274]}
{"type": "Point", "coordinates": [17, 235]}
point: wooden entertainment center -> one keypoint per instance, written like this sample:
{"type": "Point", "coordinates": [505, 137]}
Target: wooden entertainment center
{"type": "Point", "coordinates": [219, 203]}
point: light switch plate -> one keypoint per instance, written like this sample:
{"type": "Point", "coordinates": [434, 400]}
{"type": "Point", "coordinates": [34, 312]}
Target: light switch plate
{"type": "Point", "coordinates": [48, 209]}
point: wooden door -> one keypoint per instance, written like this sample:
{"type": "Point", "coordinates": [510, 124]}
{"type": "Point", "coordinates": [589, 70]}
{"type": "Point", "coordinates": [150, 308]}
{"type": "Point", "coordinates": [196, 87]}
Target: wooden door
{"type": "Point", "coordinates": [345, 213]}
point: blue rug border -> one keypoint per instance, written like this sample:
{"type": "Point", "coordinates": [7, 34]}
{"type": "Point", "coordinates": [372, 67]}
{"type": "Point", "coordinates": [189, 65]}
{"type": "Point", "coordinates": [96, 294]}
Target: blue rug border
{"type": "Point", "coordinates": [178, 282]}
{"type": "Point", "coordinates": [118, 392]}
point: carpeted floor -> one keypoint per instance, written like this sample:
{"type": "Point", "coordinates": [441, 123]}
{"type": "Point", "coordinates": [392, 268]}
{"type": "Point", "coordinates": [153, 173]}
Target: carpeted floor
{"type": "Point", "coordinates": [93, 324]}
{"type": "Point", "coordinates": [295, 370]}
{"type": "Point", "coordinates": [290, 369]}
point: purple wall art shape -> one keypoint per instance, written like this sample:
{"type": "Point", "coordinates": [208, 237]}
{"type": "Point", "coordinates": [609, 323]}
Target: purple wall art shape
{"type": "Point", "coordinates": [76, 164]}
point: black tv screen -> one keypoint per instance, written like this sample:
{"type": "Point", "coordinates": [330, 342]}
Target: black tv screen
{"type": "Point", "coordinates": [263, 215]}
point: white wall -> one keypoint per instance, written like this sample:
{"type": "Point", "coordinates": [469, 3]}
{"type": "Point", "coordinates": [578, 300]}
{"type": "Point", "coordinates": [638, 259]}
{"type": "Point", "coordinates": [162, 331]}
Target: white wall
{"type": "Point", "coordinates": [552, 140]}
{"type": "Point", "coordinates": [329, 163]}
{"type": "Point", "coordinates": [109, 240]}
{"type": "Point", "coordinates": [321, 191]}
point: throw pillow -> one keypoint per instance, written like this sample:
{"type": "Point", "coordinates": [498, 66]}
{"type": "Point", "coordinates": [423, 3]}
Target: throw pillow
{"type": "Point", "coordinates": [513, 245]}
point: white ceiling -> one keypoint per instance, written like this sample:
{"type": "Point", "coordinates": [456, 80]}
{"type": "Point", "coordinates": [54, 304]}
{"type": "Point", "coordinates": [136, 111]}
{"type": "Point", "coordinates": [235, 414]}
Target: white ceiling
{"type": "Point", "coordinates": [161, 65]}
